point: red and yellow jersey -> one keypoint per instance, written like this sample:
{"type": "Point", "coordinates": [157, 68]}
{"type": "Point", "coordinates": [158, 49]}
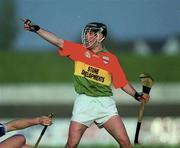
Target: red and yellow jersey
{"type": "Point", "coordinates": [94, 72]}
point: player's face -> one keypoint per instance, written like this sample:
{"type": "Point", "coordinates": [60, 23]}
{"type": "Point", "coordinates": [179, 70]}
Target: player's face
{"type": "Point", "coordinates": [90, 39]}
{"type": "Point", "coordinates": [90, 36]}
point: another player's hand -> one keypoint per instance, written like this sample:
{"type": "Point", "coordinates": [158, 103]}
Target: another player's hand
{"type": "Point", "coordinates": [28, 25]}
{"type": "Point", "coordinates": [45, 120]}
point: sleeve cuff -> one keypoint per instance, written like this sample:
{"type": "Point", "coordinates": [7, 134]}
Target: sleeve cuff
{"type": "Point", "coordinates": [2, 130]}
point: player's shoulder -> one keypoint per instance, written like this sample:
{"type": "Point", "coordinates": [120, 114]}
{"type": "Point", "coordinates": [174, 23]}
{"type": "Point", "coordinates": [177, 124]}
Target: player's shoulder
{"type": "Point", "coordinates": [112, 55]}
{"type": "Point", "coordinates": [72, 43]}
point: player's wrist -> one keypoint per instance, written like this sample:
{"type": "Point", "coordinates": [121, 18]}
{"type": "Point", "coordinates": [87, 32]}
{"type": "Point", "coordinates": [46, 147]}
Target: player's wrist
{"type": "Point", "coordinates": [138, 95]}
{"type": "Point", "coordinates": [36, 28]}
{"type": "Point", "coordinates": [37, 120]}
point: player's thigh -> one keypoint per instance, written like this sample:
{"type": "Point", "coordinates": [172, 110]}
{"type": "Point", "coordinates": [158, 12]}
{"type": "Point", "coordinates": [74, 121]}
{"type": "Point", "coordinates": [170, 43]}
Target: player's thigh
{"type": "Point", "coordinates": [76, 130]}
{"type": "Point", "coordinates": [116, 128]}
{"type": "Point", "coordinates": [13, 142]}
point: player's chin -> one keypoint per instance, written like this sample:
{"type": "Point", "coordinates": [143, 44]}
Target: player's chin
{"type": "Point", "coordinates": [89, 47]}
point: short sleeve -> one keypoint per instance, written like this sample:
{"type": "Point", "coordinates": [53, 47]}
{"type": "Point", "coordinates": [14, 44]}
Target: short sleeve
{"type": "Point", "coordinates": [2, 130]}
{"type": "Point", "coordinates": [69, 48]}
{"type": "Point", "coordinates": [118, 76]}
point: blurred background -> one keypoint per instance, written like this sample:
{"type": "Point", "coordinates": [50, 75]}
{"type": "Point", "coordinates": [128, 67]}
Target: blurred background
{"type": "Point", "coordinates": [35, 80]}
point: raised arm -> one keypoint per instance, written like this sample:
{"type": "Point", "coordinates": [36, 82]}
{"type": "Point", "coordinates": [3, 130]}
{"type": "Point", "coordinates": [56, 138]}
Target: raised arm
{"type": "Point", "coordinates": [48, 36]}
{"type": "Point", "coordinates": [24, 123]}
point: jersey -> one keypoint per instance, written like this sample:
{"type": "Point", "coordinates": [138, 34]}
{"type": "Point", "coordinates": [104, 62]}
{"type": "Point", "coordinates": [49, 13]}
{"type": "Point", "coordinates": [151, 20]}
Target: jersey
{"type": "Point", "coordinates": [94, 72]}
{"type": "Point", "coordinates": [2, 130]}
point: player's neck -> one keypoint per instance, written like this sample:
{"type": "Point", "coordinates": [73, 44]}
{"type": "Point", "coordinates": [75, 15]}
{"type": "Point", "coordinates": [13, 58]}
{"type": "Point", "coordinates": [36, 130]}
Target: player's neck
{"type": "Point", "coordinates": [97, 48]}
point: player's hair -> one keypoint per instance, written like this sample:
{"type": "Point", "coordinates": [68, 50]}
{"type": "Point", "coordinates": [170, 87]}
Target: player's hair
{"type": "Point", "coordinates": [97, 27]}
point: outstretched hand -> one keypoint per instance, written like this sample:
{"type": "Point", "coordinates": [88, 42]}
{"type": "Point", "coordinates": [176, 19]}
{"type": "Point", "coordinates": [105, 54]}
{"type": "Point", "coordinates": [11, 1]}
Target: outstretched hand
{"type": "Point", "coordinates": [28, 25]}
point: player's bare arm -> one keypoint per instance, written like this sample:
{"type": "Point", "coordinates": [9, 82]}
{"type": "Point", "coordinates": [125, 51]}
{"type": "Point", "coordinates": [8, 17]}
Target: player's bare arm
{"type": "Point", "coordinates": [48, 36]}
{"type": "Point", "coordinates": [129, 89]}
{"type": "Point", "coordinates": [24, 123]}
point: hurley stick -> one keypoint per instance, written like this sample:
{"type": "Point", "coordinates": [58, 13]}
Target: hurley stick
{"type": "Point", "coordinates": [43, 131]}
{"type": "Point", "coordinates": [147, 82]}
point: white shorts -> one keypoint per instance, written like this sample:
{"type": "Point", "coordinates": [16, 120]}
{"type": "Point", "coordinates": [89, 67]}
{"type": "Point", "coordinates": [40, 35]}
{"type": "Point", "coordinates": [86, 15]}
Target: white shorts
{"type": "Point", "coordinates": [88, 110]}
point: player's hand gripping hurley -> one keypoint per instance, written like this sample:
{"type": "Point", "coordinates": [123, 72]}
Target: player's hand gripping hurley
{"type": "Point", "coordinates": [42, 132]}
{"type": "Point", "coordinates": [147, 82]}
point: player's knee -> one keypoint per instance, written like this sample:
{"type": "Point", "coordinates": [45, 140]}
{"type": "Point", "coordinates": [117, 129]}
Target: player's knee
{"type": "Point", "coordinates": [20, 139]}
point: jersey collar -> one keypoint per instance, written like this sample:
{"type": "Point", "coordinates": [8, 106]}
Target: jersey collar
{"type": "Point", "coordinates": [102, 50]}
